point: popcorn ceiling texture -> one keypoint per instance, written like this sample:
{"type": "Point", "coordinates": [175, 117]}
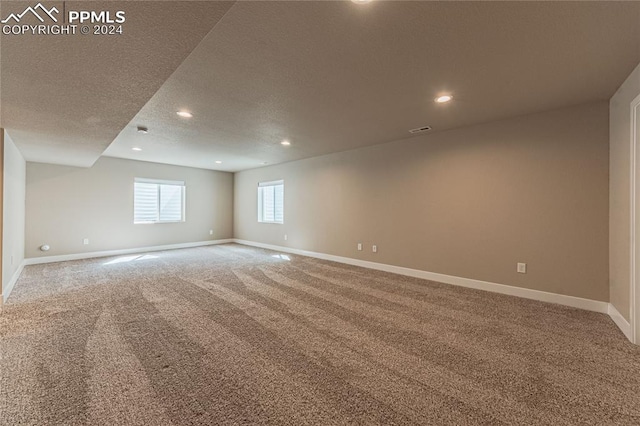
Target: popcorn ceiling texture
{"type": "Point", "coordinates": [237, 335]}
{"type": "Point", "coordinates": [332, 76]}
{"type": "Point", "coordinates": [64, 99]}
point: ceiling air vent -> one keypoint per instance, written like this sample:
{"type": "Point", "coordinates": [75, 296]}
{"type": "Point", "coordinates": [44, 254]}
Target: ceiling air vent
{"type": "Point", "coordinates": [420, 130]}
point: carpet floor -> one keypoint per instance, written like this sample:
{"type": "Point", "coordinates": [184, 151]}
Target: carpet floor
{"type": "Point", "coordinates": [229, 334]}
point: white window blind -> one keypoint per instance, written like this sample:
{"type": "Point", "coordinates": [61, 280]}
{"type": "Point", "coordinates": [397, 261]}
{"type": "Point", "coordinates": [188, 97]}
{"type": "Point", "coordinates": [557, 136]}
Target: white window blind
{"type": "Point", "coordinates": [158, 201]}
{"type": "Point", "coordinates": [271, 202]}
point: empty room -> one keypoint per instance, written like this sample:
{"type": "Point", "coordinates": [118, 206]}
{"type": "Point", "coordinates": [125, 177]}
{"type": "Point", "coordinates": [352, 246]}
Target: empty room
{"type": "Point", "coordinates": [357, 212]}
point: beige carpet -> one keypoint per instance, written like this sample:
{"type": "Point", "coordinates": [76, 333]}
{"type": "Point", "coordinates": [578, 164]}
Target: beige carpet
{"type": "Point", "coordinates": [235, 335]}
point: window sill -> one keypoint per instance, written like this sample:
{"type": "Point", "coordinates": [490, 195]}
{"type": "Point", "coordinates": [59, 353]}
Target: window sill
{"type": "Point", "coordinates": [158, 223]}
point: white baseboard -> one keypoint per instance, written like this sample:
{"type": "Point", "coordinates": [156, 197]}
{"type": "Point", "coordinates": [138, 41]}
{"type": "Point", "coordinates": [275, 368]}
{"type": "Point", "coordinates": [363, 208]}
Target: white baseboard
{"type": "Point", "coordinates": [622, 323]}
{"type": "Point", "coordinates": [543, 296]}
{"type": "Point", "coordinates": [6, 291]}
{"type": "Point", "coordinates": [94, 254]}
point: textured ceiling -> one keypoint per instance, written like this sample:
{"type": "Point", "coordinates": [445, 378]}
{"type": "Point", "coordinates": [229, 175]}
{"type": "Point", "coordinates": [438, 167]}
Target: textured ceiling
{"type": "Point", "coordinates": [333, 76]}
{"type": "Point", "coordinates": [328, 76]}
{"type": "Point", "coordinates": [64, 99]}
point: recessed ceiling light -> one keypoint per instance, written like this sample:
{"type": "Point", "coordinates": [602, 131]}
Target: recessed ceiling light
{"type": "Point", "coordinates": [143, 130]}
{"type": "Point", "coordinates": [443, 99]}
{"type": "Point", "coordinates": [136, 148]}
{"type": "Point", "coordinates": [184, 114]}
{"type": "Point", "coordinates": [285, 143]}
{"type": "Point", "coordinates": [360, 1]}
{"type": "Point", "coordinates": [218, 162]}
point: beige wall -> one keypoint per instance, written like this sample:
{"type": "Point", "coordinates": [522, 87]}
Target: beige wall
{"type": "Point", "coordinates": [67, 204]}
{"type": "Point", "coordinates": [1, 210]}
{"type": "Point", "coordinates": [13, 207]}
{"type": "Point", "coordinates": [619, 192]}
{"type": "Point", "coordinates": [470, 202]}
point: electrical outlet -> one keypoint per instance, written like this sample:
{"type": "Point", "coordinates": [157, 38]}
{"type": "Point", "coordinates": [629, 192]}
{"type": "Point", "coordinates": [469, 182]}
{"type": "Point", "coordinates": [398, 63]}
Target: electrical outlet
{"type": "Point", "coordinates": [210, 231]}
{"type": "Point", "coordinates": [286, 237]}
{"type": "Point", "coordinates": [359, 246]}
{"type": "Point", "coordinates": [374, 249]}
{"type": "Point", "coordinates": [85, 241]}
{"type": "Point", "coordinates": [522, 268]}
{"type": "Point", "coordinates": [12, 259]}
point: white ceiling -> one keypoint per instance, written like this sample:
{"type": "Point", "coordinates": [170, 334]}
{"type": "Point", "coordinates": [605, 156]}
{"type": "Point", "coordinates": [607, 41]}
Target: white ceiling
{"type": "Point", "coordinates": [64, 99]}
{"type": "Point", "coordinates": [328, 76]}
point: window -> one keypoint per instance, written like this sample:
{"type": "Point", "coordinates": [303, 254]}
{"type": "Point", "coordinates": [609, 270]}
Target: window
{"type": "Point", "coordinates": [158, 201]}
{"type": "Point", "coordinates": [271, 202]}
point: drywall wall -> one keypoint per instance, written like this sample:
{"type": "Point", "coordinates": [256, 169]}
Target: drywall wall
{"type": "Point", "coordinates": [470, 202]}
{"type": "Point", "coordinates": [1, 211]}
{"type": "Point", "coordinates": [619, 193]}
{"type": "Point", "coordinates": [13, 212]}
{"type": "Point", "coordinates": [65, 205]}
